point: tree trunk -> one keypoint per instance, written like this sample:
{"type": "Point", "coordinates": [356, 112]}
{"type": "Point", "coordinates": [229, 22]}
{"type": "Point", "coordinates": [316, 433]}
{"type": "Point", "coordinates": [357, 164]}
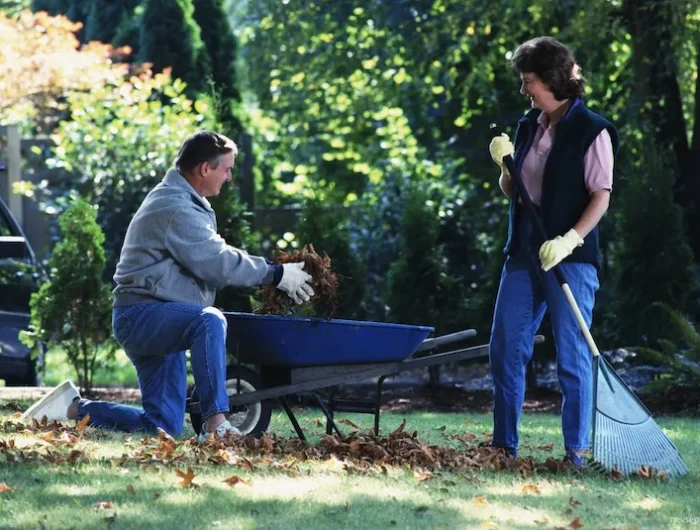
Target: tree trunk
{"type": "Point", "coordinates": [658, 93]}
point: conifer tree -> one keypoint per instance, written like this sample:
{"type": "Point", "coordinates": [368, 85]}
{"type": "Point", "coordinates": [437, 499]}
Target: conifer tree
{"type": "Point", "coordinates": [421, 291]}
{"type": "Point", "coordinates": [234, 226]}
{"type": "Point", "coordinates": [104, 17]}
{"type": "Point", "coordinates": [653, 259]}
{"type": "Point", "coordinates": [170, 37]}
{"type": "Point", "coordinates": [221, 46]}
{"type": "Point", "coordinates": [326, 228]}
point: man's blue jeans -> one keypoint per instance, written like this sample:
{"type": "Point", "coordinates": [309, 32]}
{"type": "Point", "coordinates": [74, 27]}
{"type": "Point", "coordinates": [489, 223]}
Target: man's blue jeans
{"type": "Point", "coordinates": [525, 293]}
{"type": "Point", "coordinates": [155, 337]}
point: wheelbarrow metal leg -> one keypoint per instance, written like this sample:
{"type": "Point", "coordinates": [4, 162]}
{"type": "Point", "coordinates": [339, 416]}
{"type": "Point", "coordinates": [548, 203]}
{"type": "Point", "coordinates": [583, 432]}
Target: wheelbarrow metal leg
{"type": "Point", "coordinates": [331, 410]}
{"type": "Point", "coordinates": [378, 404]}
{"type": "Point", "coordinates": [292, 417]}
{"type": "Point", "coordinates": [330, 423]}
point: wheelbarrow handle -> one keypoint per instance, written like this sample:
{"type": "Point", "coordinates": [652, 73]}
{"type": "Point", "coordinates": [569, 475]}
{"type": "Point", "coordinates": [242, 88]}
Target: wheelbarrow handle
{"type": "Point", "coordinates": [432, 344]}
{"type": "Point", "coordinates": [532, 210]}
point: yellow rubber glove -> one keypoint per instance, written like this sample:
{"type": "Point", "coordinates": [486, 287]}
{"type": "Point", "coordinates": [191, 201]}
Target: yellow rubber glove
{"type": "Point", "coordinates": [555, 250]}
{"type": "Point", "coordinates": [500, 147]}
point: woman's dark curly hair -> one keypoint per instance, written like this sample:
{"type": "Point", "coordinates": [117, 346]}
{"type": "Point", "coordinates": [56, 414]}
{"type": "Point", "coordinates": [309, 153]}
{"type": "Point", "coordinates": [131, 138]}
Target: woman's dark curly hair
{"type": "Point", "coordinates": [553, 63]}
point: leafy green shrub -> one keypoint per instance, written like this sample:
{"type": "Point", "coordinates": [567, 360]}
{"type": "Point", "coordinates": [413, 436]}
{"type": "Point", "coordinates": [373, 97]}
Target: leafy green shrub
{"type": "Point", "coordinates": [326, 227]}
{"type": "Point", "coordinates": [421, 290]}
{"type": "Point", "coordinates": [653, 261]}
{"type": "Point", "coordinates": [682, 354]}
{"type": "Point", "coordinates": [73, 309]}
{"type": "Point", "coordinates": [118, 144]}
{"type": "Point", "coordinates": [232, 218]}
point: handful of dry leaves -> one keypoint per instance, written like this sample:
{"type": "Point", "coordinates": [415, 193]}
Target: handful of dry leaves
{"type": "Point", "coordinates": [324, 282]}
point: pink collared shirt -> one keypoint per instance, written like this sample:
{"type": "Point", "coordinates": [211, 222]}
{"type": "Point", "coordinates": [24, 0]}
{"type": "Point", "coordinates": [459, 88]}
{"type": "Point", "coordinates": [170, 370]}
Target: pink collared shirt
{"type": "Point", "coordinates": [597, 162]}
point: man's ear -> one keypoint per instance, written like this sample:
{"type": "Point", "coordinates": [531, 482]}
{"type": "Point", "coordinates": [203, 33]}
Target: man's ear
{"type": "Point", "coordinates": [201, 169]}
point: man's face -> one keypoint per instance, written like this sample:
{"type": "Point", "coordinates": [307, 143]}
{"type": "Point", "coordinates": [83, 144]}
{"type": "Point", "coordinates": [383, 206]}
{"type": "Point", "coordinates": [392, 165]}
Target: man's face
{"type": "Point", "coordinates": [213, 178]}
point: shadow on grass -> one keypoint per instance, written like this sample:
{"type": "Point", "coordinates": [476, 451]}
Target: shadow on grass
{"type": "Point", "coordinates": [63, 498]}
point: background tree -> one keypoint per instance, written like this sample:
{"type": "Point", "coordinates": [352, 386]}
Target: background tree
{"type": "Point", "coordinates": [73, 310]}
{"type": "Point", "coordinates": [234, 222]}
{"type": "Point", "coordinates": [42, 63]}
{"type": "Point", "coordinates": [420, 288]}
{"type": "Point", "coordinates": [104, 17]}
{"type": "Point", "coordinates": [74, 10]}
{"type": "Point", "coordinates": [119, 143]}
{"type": "Point", "coordinates": [170, 37]}
{"type": "Point", "coordinates": [653, 262]}
{"type": "Point", "coordinates": [665, 62]}
{"type": "Point", "coordinates": [327, 229]}
{"type": "Point", "coordinates": [13, 8]}
{"type": "Point", "coordinates": [222, 48]}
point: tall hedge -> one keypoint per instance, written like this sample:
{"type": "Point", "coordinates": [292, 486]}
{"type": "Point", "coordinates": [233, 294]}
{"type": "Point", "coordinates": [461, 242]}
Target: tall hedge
{"type": "Point", "coordinates": [170, 37]}
{"type": "Point", "coordinates": [222, 49]}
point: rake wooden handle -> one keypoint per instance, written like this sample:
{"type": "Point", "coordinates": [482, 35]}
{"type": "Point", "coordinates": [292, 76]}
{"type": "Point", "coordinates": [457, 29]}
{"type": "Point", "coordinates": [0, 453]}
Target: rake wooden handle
{"type": "Point", "coordinates": [531, 209]}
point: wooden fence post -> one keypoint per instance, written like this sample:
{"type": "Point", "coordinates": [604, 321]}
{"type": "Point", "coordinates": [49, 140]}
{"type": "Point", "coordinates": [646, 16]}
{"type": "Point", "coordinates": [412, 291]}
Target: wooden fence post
{"type": "Point", "coordinates": [14, 173]}
{"type": "Point", "coordinates": [246, 181]}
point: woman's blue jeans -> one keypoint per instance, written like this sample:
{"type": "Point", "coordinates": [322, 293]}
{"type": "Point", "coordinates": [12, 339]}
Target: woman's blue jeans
{"type": "Point", "coordinates": [155, 337]}
{"type": "Point", "coordinates": [525, 293]}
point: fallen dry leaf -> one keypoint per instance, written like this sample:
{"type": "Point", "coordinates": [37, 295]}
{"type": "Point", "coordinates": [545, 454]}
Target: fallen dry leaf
{"type": "Point", "coordinates": [103, 505]}
{"type": "Point", "coordinates": [480, 501]}
{"type": "Point", "coordinates": [530, 488]}
{"type": "Point", "coordinates": [82, 424]}
{"type": "Point", "coordinates": [4, 488]}
{"type": "Point", "coordinates": [422, 475]}
{"type": "Point", "coordinates": [346, 421]}
{"type": "Point", "coordinates": [575, 523]}
{"type": "Point", "coordinates": [186, 478]}
{"type": "Point", "coordinates": [235, 479]}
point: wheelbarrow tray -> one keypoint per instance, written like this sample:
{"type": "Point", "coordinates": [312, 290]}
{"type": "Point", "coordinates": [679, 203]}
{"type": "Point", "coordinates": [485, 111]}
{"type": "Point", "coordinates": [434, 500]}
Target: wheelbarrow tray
{"type": "Point", "coordinates": [270, 340]}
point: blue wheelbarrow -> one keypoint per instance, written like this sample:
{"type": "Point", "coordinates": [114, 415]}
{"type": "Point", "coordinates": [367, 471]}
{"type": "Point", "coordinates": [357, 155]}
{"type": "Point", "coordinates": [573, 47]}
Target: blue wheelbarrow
{"type": "Point", "coordinates": [280, 357]}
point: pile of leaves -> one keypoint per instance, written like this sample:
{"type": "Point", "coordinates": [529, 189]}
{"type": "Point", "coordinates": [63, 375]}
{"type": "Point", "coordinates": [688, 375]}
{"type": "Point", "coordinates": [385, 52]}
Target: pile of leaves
{"type": "Point", "coordinates": [359, 453]}
{"type": "Point", "coordinates": [44, 441]}
{"type": "Point", "coordinates": [324, 282]}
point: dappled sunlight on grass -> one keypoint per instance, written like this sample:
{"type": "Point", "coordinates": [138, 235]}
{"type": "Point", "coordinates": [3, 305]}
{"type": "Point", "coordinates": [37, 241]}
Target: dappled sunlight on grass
{"type": "Point", "coordinates": [506, 515]}
{"type": "Point", "coordinates": [647, 503]}
{"type": "Point", "coordinates": [283, 491]}
{"type": "Point", "coordinates": [541, 488]}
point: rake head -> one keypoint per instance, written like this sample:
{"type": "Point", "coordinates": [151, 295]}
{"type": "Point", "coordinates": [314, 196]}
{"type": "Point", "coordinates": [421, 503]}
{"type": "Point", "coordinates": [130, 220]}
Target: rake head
{"type": "Point", "coordinates": [626, 438]}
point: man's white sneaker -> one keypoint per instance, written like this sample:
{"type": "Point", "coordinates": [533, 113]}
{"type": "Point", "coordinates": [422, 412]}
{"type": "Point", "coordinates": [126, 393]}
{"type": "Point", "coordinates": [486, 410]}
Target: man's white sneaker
{"type": "Point", "coordinates": [53, 405]}
{"type": "Point", "coordinates": [222, 432]}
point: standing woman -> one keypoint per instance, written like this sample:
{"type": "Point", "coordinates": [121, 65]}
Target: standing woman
{"type": "Point", "coordinates": [565, 155]}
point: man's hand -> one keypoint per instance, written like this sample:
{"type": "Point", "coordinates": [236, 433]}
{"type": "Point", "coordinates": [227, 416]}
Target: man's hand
{"type": "Point", "coordinates": [500, 147]}
{"type": "Point", "coordinates": [555, 250]}
{"type": "Point", "coordinates": [296, 283]}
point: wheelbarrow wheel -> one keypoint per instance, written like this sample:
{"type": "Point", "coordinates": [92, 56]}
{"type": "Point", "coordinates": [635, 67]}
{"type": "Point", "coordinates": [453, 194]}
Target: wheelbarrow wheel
{"type": "Point", "coordinates": [249, 419]}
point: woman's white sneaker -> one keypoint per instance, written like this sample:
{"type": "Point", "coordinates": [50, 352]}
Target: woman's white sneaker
{"type": "Point", "coordinates": [53, 405]}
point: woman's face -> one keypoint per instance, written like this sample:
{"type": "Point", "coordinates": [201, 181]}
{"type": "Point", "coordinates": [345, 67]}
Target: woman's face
{"type": "Point", "coordinates": [540, 95]}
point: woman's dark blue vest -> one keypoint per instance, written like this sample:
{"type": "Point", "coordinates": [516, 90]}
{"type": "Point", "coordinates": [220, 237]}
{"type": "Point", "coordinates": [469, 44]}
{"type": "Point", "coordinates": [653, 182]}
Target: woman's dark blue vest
{"type": "Point", "coordinates": [564, 193]}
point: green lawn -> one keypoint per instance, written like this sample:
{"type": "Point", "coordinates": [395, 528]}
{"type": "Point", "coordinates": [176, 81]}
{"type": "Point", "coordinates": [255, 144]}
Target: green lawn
{"type": "Point", "coordinates": [119, 372]}
{"type": "Point", "coordinates": [282, 490]}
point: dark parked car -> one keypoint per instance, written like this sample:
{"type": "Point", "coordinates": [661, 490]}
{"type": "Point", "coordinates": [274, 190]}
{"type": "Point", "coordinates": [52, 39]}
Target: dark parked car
{"type": "Point", "coordinates": [20, 276]}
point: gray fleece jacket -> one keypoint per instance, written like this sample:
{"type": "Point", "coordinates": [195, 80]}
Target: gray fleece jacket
{"type": "Point", "coordinates": [172, 251]}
